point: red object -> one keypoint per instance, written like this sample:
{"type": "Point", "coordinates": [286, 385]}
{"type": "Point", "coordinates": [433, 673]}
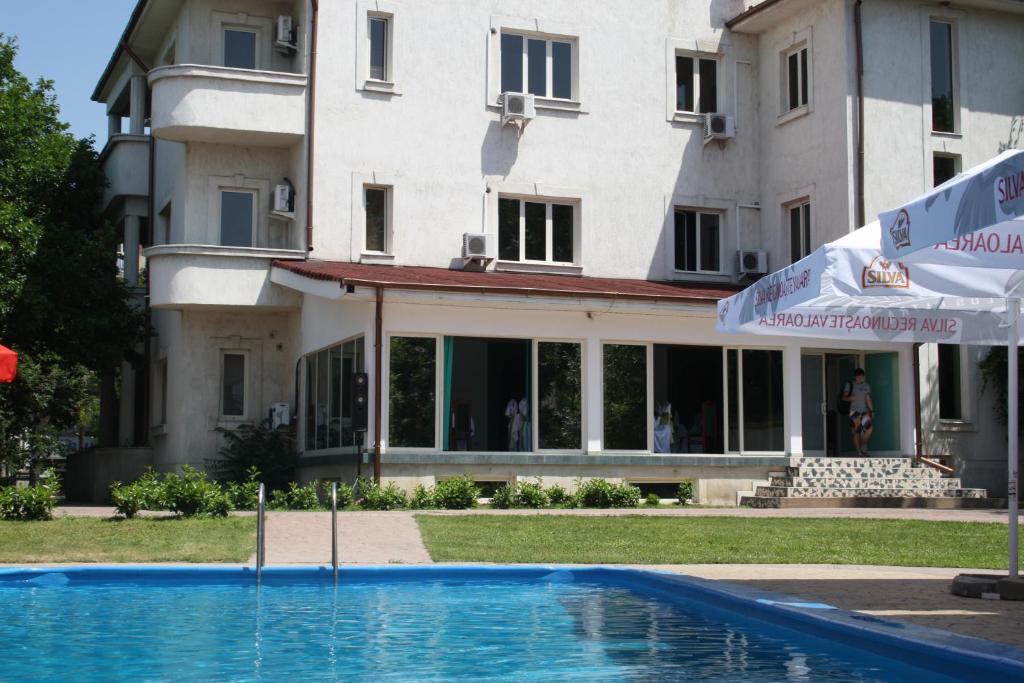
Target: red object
{"type": "Point", "coordinates": [8, 364]}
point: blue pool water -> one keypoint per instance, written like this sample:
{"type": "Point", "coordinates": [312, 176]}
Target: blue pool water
{"type": "Point", "coordinates": [400, 624]}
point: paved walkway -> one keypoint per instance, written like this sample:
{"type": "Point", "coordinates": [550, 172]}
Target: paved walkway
{"type": "Point", "coordinates": [363, 538]}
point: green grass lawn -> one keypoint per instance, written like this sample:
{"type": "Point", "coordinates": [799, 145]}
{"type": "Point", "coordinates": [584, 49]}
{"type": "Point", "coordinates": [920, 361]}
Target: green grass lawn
{"type": "Point", "coordinates": [82, 539]}
{"type": "Point", "coordinates": [713, 540]}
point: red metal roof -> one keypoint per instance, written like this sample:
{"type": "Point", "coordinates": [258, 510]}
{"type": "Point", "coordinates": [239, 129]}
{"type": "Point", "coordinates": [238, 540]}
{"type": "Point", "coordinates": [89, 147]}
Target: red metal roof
{"type": "Point", "coordinates": [491, 282]}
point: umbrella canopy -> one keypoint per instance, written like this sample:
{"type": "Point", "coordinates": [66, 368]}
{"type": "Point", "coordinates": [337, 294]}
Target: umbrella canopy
{"type": "Point", "coordinates": [984, 197]}
{"type": "Point", "coordinates": [847, 290]}
{"type": "Point", "coordinates": [8, 364]}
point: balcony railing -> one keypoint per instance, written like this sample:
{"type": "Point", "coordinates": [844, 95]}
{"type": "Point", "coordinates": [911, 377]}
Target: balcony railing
{"type": "Point", "coordinates": [126, 164]}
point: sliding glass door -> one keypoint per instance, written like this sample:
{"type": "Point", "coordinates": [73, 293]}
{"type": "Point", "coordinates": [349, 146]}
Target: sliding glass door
{"type": "Point", "coordinates": [755, 411]}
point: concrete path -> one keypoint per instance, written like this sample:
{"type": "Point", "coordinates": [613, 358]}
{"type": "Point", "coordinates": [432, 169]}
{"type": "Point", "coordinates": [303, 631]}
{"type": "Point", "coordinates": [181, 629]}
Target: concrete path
{"type": "Point", "coordinates": [363, 538]}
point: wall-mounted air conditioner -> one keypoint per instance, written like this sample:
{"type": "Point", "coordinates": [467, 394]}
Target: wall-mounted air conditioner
{"type": "Point", "coordinates": [284, 198]}
{"type": "Point", "coordinates": [752, 262]}
{"type": "Point", "coordinates": [517, 107]}
{"type": "Point", "coordinates": [280, 415]}
{"type": "Point", "coordinates": [284, 37]}
{"type": "Point", "coordinates": [718, 127]}
{"type": "Point", "coordinates": [474, 247]}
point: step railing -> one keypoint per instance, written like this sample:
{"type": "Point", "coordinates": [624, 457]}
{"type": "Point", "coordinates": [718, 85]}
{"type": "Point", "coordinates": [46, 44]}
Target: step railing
{"type": "Point", "coordinates": [261, 534]}
{"type": "Point", "coordinates": [334, 532]}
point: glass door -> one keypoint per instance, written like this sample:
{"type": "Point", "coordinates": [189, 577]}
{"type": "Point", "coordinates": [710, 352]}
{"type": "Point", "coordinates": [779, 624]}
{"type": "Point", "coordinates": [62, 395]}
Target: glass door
{"type": "Point", "coordinates": [839, 369]}
{"type": "Point", "coordinates": [813, 405]}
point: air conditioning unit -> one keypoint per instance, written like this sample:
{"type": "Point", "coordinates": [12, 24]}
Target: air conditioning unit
{"type": "Point", "coordinates": [753, 262]}
{"type": "Point", "coordinates": [280, 415]}
{"type": "Point", "coordinates": [284, 198]}
{"type": "Point", "coordinates": [718, 127]}
{"type": "Point", "coordinates": [517, 107]}
{"type": "Point", "coordinates": [474, 247]}
{"type": "Point", "coordinates": [284, 39]}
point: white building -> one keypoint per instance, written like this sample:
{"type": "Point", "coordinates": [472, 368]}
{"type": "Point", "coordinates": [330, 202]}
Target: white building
{"type": "Point", "coordinates": [612, 223]}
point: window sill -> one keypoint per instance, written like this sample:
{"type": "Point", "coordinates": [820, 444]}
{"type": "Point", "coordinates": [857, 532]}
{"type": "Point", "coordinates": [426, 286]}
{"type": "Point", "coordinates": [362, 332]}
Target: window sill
{"type": "Point", "coordinates": [158, 430]}
{"type": "Point", "coordinates": [946, 425]}
{"type": "Point", "coordinates": [376, 257]}
{"type": "Point", "coordinates": [542, 104]}
{"type": "Point", "coordinates": [688, 117]}
{"type": "Point", "coordinates": [386, 87]}
{"type": "Point", "coordinates": [535, 267]}
{"type": "Point", "coordinates": [947, 135]}
{"type": "Point", "coordinates": [792, 114]}
{"type": "Point", "coordinates": [231, 423]}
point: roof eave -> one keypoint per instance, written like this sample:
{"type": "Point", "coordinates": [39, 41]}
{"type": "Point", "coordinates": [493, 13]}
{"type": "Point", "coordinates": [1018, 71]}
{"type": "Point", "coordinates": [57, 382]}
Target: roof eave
{"type": "Point", "coordinates": [133, 21]}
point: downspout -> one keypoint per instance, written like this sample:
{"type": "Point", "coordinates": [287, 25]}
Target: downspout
{"type": "Point", "coordinates": [378, 401]}
{"type": "Point", "coordinates": [311, 124]}
{"type": "Point", "coordinates": [859, 42]}
{"type": "Point", "coordinates": [917, 401]}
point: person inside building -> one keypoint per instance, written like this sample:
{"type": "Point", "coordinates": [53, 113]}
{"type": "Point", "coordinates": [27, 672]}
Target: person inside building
{"type": "Point", "coordinates": [858, 394]}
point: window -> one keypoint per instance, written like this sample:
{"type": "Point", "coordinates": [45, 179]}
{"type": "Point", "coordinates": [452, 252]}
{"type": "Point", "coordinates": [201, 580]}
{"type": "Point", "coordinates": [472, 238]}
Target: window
{"type": "Point", "coordinates": [232, 385]}
{"type": "Point", "coordinates": [559, 396]}
{"type": "Point", "coordinates": [536, 65]}
{"type": "Point", "coordinates": [797, 79]}
{"type": "Point", "coordinates": [328, 394]}
{"type": "Point", "coordinates": [625, 397]}
{"type": "Point", "coordinates": [696, 84]}
{"type": "Point", "coordinates": [535, 231]}
{"type": "Point", "coordinates": [237, 218]}
{"type": "Point", "coordinates": [376, 204]}
{"type": "Point", "coordinates": [944, 167]}
{"type": "Point", "coordinates": [377, 36]}
{"type": "Point", "coordinates": [943, 94]}
{"type": "Point", "coordinates": [413, 392]}
{"type": "Point", "coordinates": [755, 400]}
{"type": "Point", "coordinates": [239, 48]}
{"type": "Point", "coordinates": [799, 231]}
{"type": "Point", "coordinates": [950, 387]}
{"type": "Point", "coordinates": [697, 241]}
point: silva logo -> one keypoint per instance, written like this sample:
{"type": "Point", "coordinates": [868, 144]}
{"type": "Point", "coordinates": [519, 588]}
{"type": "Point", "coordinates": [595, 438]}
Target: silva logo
{"type": "Point", "coordinates": [900, 230]}
{"type": "Point", "coordinates": [882, 272]}
{"type": "Point", "coordinates": [723, 311]}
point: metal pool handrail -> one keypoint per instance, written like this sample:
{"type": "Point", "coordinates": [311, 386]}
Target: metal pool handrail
{"type": "Point", "coordinates": [334, 531]}
{"type": "Point", "coordinates": [261, 533]}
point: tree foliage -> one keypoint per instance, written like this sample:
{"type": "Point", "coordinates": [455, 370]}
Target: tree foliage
{"type": "Point", "coordinates": [62, 307]}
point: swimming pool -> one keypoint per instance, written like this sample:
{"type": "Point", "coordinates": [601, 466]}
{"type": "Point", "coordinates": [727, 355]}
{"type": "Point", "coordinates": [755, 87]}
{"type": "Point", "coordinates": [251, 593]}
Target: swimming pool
{"type": "Point", "coordinates": [453, 623]}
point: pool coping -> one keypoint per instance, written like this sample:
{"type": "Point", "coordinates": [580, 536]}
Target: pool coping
{"type": "Point", "coordinates": [895, 639]}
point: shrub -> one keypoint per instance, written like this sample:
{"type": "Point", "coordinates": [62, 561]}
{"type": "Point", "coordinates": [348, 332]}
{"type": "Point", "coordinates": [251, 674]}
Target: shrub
{"type": "Point", "coordinates": [24, 503]}
{"type": "Point", "coordinates": [598, 493]}
{"type": "Point", "coordinates": [457, 493]}
{"type": "Point", "coordinates": [271, 451]}
{"type": "Point", "coordinates": [297, 497]}
{"type": "Point", "coordinates": [685, 493]}
{"type": "Point", "coordinates": [345, 495]}
{"type": "Point", "coordinates": [150, 490]}
{"type": "Point", "coordinates": [653, 500]}
{"type": "Point", "coordinates": [192, 494]}
{"type": "Point", "coordinates": [558, 496]}
{"type": "Point", "coordinates": [504, 496]}
{"type": "Point", "coordinates": [376, 497]}
{"type": "Point", "coordinates": [245, 495]}
{"type": "Point", "coordinates": [531, 494]}
{"type": "Point", "coordinates": [128, 498]}
{"type": "Point", "coordinates": [422, 498]}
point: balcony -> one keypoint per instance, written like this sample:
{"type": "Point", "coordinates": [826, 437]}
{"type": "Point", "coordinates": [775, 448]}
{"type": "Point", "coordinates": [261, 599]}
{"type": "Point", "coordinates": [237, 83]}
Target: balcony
{"type": "Point", "coordinates": [185, 276]}
{"type": "Point", "coordinates": [126, 162]}
{"type": "Point", "coordinates": [193, 103]}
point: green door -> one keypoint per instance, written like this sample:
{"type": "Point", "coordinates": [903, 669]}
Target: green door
{"type": "Point", "coordinates": [882, 370]}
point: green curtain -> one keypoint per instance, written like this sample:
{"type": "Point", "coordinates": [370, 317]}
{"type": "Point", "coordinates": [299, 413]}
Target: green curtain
{"type": "Point", "coordinates": [446, 403]}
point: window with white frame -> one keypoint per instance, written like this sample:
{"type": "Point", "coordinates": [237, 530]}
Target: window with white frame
{"type": "Point", "coordinates": [755, 401]}
{"type": "Point", "coordinates": [796, 78]}
{"type": "Point", "coordinates": [950, 382]}
{"type": "Point", "coordinates": [538, 65]}
{"type": "Point", "coordinates": [233, 384]}
{"type": "Point", "coordinates": [237, 217]}
{"type": "Point", "coordinates": [943, 59]}
{"type": "Point", "coordinates": [536, 230]}
{"type": "Point", "coordinates": [240, 48]}
{"type": "Point", "coordinates": [376, 202]}
{"type": "Point", "coordinates": [696, 83]}
{"type": "Point", "coordinates": [378, 38]}
{"type": "Point", "coordinates": [328, 406]}
{"type": "Point", "coordinates": [698, 241]}
{"type": "Point", "coordinates": [799, 215]}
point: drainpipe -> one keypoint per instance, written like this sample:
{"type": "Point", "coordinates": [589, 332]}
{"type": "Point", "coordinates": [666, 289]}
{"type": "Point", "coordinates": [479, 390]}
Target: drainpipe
{"type": "Point", "coordinates": [311, 124]}
{"type": "Point", "coordinates": [859, 33]}
{"type": "Point", "coordinates": [918, 452]}
{"type": "Point", "coordinates": [378, 346]}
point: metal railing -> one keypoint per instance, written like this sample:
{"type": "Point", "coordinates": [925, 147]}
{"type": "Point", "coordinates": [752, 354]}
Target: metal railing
{"type": "Point", "coordinates": [261, 534]}
{"type": "Point", "coordinates": [334, 532]}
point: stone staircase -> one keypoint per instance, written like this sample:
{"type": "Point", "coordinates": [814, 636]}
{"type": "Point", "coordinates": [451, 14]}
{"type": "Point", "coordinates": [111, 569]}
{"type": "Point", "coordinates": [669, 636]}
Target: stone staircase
{"type": "Point", "coordinates": [861, 482]}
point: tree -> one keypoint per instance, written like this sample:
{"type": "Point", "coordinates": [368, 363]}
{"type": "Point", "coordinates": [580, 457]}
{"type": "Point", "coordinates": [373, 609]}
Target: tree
{"type": "Point", "coordinates": [62, 307]}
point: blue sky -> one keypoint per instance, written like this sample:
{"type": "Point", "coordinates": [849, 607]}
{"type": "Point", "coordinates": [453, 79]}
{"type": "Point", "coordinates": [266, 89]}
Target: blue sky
{"type": "Point", "coordinates": [68, 42]}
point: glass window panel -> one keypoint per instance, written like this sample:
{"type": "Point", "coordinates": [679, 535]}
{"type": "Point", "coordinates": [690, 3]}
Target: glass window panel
{"type": "Point", "coordinates": [236, 219]}
{"type": "Point", "coordinates": [335, 398]}
{"type": "Point", "coordinates": [561, 70]}
{"type": "Point", "coordinates": [625, 397]}
{"type": "Point", "coordinates": [804, 80]}
{"type": "Point", "coordinates": [378, 48]}
{"type": "Point", "coordinates": [310, 402]}
{"type": "Point", "coordinates": [412, 390]}
{"type": "Point", "coordinates": [322, 398]}
{"type": "Point", "coordinates": [794, 84]}
{"type": "Point", "coordinates": [950, 391]}
{"type": "Point", "coordinates": [709, 241]}
{"type": "Point", "coordinates": [561, 233]}
{"type": "Point", "coordinates": [708, 85]}
{"type": "Point", "coordinates": [508, 229]}
{"type": "Point", "coordinates": [795, 250]}
{"type": "Point", "coordinates": [942, 76]}
{"type": "Point", "coordinates": [762, 401]}
{"type": "Point", "coordinates": [511, 63]}
{"type": "Point", "coordinates": [239, 49]}
{"type": "Point", "coordinates": [376, 219]}
{"type": "Point", "coordinates": [686, 240]}
{"type": "Point", "coordinates": [943, 168]}
{"type": "Point", "coordinates": [806, 213]}
{"type": "Point", "coordinates": [535, 239]}
{"type": "Point", "coordinates": [684, 83]}
{"type": "Point", "coordinates": [537, 66]}
{"type": "Point", "coordinates": [233, 382]}
{"type": "Point", "coordinates": [733, 379]}
{"type": "Point", "coordinates": [559, 396]}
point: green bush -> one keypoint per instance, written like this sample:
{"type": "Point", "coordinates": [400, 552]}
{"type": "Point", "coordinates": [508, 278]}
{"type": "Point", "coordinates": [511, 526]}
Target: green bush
{"type": "Point", "coordinates": [504, 496]}
{"type": "Point", "coordinates": [685, 493]}
{"type": "Point", "coordinates": [376, 497]}
{"type": "Point", "coordinates": [457, 493]}
{"type": "Point", "coordinates": [128, 498]}
{"type": "Point", "coordinates": [297, 497]}
{"type": "Point", "coordinates": [598, 493]}
{"type": "Point", "coordinates": [345, 495]}
{"type": "Point", "coordinates": [245, 495]}
{"type": "Point", "coordinates": [558, 496]}
{"type": "Point", "coordinates": [24, 503]}
{"type": "Point", "coordinates": [271, 451]}
{"type": "Point", "coordinates": [531, 494]}
{"type": "Point", "coordinates": [150, 490]}
{"type": "Point", "coordinates": [653, 500]}
{"type": "Point", "coordinates": [192, 494]}
{"type": "Point", "coordinates": [422, 498]}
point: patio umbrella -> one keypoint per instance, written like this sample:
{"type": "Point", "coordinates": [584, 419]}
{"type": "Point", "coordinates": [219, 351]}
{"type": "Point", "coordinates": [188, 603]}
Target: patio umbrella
{"type": "Point", "coordinates": [8, 364]}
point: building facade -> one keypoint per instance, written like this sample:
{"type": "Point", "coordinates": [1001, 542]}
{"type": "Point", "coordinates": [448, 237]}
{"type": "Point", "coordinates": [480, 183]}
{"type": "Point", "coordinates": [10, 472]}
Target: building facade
{"type": "Point", "coordinates": [515, 218]}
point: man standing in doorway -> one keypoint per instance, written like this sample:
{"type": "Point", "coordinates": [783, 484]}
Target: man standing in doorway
{"type": "Point", "coordinates": [862, 410]}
